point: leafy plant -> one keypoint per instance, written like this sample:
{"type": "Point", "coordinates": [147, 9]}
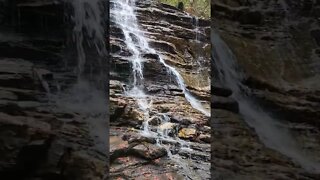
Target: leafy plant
{"type": "Point", "coordinates": [200, 8]}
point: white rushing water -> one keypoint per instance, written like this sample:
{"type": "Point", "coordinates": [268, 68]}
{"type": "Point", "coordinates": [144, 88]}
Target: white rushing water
{"type": "Point", "coordinates": [83, 98]}
{"type": "Point", "coordinates": [271, 131]}
{"type": "Point", "coordinates": [124, 15]}
{"type": "Point", "coordinates": [88, 28]}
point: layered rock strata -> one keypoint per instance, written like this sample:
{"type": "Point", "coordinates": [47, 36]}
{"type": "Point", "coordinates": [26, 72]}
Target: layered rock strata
{"type": "Point", "coordinates": [173, 35]}
{"type": "Point", "coordinates": [275, 43]}
{"type": "Point", "coordinates": [45, 134]}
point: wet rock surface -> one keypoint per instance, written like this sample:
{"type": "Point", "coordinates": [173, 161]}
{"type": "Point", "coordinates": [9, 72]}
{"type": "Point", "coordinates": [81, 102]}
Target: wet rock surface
{"type": "Point", "coordinates": [135, 155]}
{"type": "Point", "coordinates": [277, 52]}
{"type": "Point", "coordinates": [42, 135]}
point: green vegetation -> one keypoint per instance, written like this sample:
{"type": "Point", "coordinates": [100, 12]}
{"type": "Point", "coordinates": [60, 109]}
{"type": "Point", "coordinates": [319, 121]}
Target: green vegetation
{"type": "Point", "coordinates": [200, 8]}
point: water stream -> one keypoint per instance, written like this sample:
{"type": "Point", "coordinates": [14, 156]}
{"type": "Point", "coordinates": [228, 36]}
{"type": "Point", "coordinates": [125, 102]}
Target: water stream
{"type": "Point", "coordinates": [200, 65]}
{"type": "Point", "coordinates": [84, 97]}
{"type": "Point", "coordinates": [124, 15]}
{"type": "Point", "coordinates": [88, 31]}
{"type": "Point", "coordinates": [270, 130]}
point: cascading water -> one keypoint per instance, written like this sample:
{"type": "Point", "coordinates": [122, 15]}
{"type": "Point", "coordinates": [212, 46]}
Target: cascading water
{"type": "Point", "coordinates": [88, 29]}
{"type": "Point", "coordinates": [125, 17]}
{"type": "Point", "coordinates": [123, 14]}
{"type": "Point", "coordinates": [197, 28]}
{"type": "Point", "coordinates": [192, 100]}
{"type": "Point", "coordinates": [84, 97]}
{"type": "Point", "coordinates": [271, 132]}
{"type": "Point", "coordinates": [200, 60]}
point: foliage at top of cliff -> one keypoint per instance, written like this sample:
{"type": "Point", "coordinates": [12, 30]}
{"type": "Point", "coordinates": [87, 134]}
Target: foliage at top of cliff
{"type": "Point", "coordinates": [200, 8]}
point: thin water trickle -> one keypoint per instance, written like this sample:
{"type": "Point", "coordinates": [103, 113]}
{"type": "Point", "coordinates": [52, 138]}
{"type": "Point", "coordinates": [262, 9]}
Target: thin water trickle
{"type": "Point", "coordinates": [197, 28]}
{"type": "Point", "coordinates": [192, 100]}
{"type": "Point", "coordinates": [199, 52]}
{"type": "Point", "coordinates": [270, 131]}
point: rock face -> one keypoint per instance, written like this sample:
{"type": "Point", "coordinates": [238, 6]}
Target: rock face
{"type": "Point", "coordinates": [39, 99]}
{"type": "Point", "coordinates": [173, 35]}
{"type": "Point", "coordinates": [280, 35]}
{"type": "Point", "coordinates": [277, 50]}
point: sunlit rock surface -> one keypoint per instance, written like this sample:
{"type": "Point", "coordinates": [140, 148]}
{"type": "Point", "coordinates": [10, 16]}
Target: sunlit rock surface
{"type": "Point", "coordinates": [172, 34]}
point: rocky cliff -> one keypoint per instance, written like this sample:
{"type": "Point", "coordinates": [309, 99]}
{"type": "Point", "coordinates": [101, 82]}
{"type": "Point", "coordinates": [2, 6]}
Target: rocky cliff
{"type": "Point", "coordinates": [53, 125]}
{"type": "Point", "coordinates": [181, 147]}
{"type": "Point", "coordinates": [275, 44]}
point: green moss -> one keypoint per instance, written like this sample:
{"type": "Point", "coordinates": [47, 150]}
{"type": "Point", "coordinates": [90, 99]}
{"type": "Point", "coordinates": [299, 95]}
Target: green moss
{"type": "Point", "coordinates": [201, 7]}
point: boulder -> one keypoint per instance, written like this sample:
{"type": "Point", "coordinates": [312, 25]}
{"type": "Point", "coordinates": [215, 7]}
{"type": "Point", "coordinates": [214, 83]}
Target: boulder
{"type": "Point", "coordinates": [187, 133]}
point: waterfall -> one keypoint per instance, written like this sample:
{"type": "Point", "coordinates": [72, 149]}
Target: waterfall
{"type": "Point", "coordinates": [270, 131]}
{"type": "Point", "coordinates": [88, 32]}
{"type": "Point", "coordinates": [88, 37]}
{"type": "Point", "coordinates": [125, 17]}
{"type": "Point", "coordinates": [200, 67]}
{"type": "Point", "coordinates": [84, 97]}
{"type": "Point", "coordinates": [197, 28]}
{"type": "Point", "coordinates": [123, 14]}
